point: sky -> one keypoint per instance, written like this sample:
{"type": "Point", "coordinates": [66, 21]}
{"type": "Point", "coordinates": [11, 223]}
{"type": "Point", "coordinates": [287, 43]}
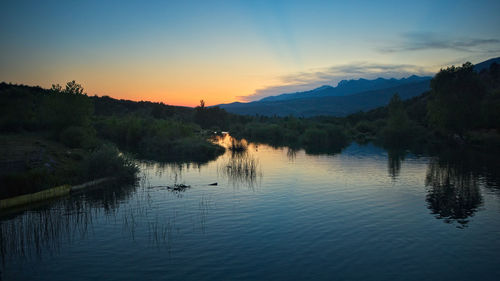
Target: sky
{"type": "Point", "coordinates": [179, 52]}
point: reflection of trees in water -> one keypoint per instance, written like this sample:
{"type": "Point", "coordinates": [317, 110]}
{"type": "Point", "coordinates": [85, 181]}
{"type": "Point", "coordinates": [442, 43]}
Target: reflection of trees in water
{"type": "Point", "coordinates": [395, 157]}
{"type": "Point", "coordinates": [291, 153]}
{"type": "Point", "coordinates": [241, 169]}
{"type": "Point", "coordinates": [455, 179]}
{"type": "Point", "coordinates": [174, 171]}
{"type": "Point", "coordinates": [454, 193]}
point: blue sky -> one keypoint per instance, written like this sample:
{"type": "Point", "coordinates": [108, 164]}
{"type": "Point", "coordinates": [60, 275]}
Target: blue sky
{"type": "Point", "coordinates": [181, 51]}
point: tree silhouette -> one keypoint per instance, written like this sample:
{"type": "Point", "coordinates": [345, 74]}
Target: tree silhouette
{"type": "Point", "coordinates": [397, 132]}
{"type": "Point", "coordinates": [454, 193]}
{"type": "Point", "coordinates": [455, 99]}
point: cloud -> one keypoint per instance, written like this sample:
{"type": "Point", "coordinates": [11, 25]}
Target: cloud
{"type": "Point", "coordinates": [304, 81]}
{"type": "Point", "coordinates": [418, 41]}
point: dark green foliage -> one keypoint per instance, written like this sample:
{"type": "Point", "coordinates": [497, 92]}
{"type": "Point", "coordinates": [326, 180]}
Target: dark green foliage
{"type": "Point", "coordinates": [107, 106]}
{"type": "Point", "coordinates": [31, 181]}
{"type": "Point", "coordinates": [64, 108]}
{"type": "Point", "coordinates": [315, 137]}
{"type": "Point", "coordinates": [455, 99]}
{"type": "Point", "coordinates": [398, 129]}
{"type": "Point", "coordinates": [60, 111]}
{"type": "Point", "coordinates": [491, 110]}
{"type": "Point", "coordinates": [19, 107]}
{"type": "Point", "coordinates": [78, 137]}
{"type": "Point", "coordinates": [158, 139]}
{"type": "Point", "coordinates": [152, 130]}
{"type": "Point", "coordinates": [326, 138]}
{"type": "Point", "coordinates": [210, 117]}
{"type": "Point", "coordinates": [107, 161]}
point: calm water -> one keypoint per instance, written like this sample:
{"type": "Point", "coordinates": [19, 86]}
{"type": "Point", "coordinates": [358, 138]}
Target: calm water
{"type": "Point", "coordinates": [364, 214]}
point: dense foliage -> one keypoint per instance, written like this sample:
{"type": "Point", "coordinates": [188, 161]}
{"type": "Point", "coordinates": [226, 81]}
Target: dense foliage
{"type": "Point", "coordinates": [462, 107]}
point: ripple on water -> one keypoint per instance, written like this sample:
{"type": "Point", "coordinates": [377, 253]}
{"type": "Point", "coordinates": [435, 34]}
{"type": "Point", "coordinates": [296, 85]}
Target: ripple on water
{"type": "Point", "coordinates": [358, 215]}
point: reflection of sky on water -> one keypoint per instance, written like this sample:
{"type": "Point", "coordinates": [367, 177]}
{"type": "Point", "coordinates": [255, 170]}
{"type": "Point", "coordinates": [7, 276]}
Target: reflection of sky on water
{"type": "Point", "coordinates": [330, 214]}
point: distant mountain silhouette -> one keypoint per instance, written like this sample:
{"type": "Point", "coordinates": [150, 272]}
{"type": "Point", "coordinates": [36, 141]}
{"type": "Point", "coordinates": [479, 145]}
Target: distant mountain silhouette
{"type": "Point", "coordinates": [329, 105]}
{"type": "Point", "coordinates": [349, 96]}
{"type": "Point", "coordinates": [348, 87]}
{"type": "Point", "coordinates": [486, 64]}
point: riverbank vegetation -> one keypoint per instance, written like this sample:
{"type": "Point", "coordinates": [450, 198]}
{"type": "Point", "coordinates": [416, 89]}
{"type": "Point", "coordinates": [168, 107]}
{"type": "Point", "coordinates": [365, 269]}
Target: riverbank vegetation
{"type": "Point", "coordinates": [462, 108]}
{"type": "Point", "coordinates": [72, 135]}
{"type": "Point", "coordinates": [62, 136]}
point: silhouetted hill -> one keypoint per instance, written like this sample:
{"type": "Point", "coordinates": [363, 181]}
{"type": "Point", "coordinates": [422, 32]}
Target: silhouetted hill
{"type": "Point", "coordinates": [332, 105]}
{"type": "Point", "coordinates": [349, 87]}
{"type": "Point", "coordinates": [349, 96]}
{"type": "Point", "coordinates": [486, 64]}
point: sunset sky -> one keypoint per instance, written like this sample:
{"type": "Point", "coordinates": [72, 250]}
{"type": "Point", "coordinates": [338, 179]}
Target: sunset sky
{"type": "Point", "coordinates": [179, 52]}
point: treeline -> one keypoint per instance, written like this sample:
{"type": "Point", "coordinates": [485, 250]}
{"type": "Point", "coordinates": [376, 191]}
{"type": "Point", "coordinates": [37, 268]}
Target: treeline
{"type": "Point", "coordinates": [149, 130]}
{"type": "Point", "coordinates": [62, 136]}
{"type": "Point", "coordinates": [462, 108]}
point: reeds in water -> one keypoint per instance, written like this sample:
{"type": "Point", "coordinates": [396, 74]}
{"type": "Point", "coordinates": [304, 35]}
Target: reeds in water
{"type": "Point", "coordinates": [241, 170]}
{"type": "Point", "coordinates": [238, 145]}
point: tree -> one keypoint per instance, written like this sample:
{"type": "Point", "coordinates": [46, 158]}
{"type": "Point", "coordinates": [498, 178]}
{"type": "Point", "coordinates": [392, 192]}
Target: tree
{"type": "Point", "coordinates": [455, 99]}
{"type": "Point", "coordinates": [56, 88]}
{"type": "Point", "coordinates": [398, 129]}
{"type": "Point", "coordinates": [73, 88]}
{"type": "Point", "coordinates": [68, 107]}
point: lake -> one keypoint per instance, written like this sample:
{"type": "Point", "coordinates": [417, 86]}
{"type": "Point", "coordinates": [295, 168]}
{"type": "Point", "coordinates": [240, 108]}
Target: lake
{"type": "Point", "coordinates": [275, 214]}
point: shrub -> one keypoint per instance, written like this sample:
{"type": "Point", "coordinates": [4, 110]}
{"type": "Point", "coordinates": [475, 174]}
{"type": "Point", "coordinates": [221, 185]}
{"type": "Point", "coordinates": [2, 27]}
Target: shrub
{"type": "Point", "coordinates": [77, 137]}
{"type": "Point", "coordinates": [315, 137]}
{"type": "Point", "coordinates": [107, 161]}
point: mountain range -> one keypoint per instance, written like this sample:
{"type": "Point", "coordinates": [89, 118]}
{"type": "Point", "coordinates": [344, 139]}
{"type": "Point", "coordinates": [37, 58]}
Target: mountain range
{"type": "Point", "coordinates": [347, 97]}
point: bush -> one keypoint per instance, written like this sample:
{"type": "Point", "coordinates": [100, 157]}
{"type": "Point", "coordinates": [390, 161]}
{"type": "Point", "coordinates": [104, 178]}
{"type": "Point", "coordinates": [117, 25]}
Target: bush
{"type": "Point", "coordinates": [77, 137]}
{"type": "Point", "coordinates": [315, 137]}
{"type": "Point", "coordinates": [107, 161]}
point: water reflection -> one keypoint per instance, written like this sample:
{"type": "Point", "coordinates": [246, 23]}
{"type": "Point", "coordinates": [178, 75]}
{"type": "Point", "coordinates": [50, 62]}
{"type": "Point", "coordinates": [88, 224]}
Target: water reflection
{"type": "Point", "coordinates": [218, 220]}
{"type": "Point", "coordinates": [395, 157]}
{"type": "Point", "coordinates": [172, 170]}
{"type": "Point", "coordinates": [241, 169]}
{"type": "Point", "coordinates": [456, 179]}
{"type": "Point", "coordinates": [291, 153]}
{"type": "Point", "coordinates": [42, 229]}
{"type": "Point", "coordinates": [454, 193]}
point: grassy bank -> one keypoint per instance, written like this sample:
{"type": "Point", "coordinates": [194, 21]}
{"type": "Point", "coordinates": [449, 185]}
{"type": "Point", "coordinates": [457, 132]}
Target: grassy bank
{"type": "Point", "coordinates": [61, 136]}
{"type": "Point", "coordinates": [32, 162]}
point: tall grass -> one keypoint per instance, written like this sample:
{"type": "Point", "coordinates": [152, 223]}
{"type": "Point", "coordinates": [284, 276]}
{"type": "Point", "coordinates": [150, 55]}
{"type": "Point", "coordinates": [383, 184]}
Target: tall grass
{"type": "Point", "coordinates": [243, 169]}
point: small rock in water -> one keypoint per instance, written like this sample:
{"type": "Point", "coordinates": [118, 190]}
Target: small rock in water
{"type": "Point", "coordinates": [178, 187]}
{"type": "Point", "coordinates": [213, 183]}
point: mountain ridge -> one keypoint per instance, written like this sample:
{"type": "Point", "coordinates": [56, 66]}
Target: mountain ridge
{"type": "Point", "coordinates": [328, 105]}
{"type": "Point", "coordinates": [349, 96]}
{"type": "Point", "coordinates": [347, 87]}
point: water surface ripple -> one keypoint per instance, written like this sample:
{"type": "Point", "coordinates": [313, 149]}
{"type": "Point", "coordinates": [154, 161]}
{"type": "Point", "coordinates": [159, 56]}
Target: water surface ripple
{"type": "Point", "coordinates": [358, 215]}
